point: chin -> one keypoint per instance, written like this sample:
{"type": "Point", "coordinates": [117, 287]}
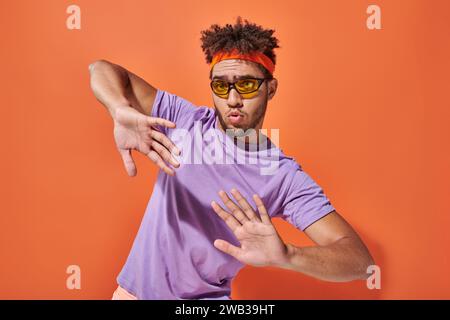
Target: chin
{"type": "Point", "coordinates": [234, 126]}
{"type": "Point", "coordinates": [238, 127]}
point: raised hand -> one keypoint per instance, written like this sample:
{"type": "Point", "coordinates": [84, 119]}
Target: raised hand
{"type": "Point", "coordinates": [260, 243]}
{"type": "Point", "coordinates": [136, 131]}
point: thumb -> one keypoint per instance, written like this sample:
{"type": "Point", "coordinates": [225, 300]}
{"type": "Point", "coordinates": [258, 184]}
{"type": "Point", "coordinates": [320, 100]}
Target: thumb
{"type": "Point", "coordinates": [128, 161]}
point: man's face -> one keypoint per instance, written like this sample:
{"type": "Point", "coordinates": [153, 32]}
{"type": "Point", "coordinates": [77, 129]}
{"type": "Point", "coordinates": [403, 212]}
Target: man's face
{"type": "Point", "coordinates": [236, 112]}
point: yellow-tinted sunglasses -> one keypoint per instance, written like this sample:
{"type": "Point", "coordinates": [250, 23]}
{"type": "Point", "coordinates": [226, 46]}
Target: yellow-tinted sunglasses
{"type": "Point", "coordinates": [248, 87]}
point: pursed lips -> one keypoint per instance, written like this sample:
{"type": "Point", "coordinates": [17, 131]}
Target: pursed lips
{"type": "Point", "coordinates": [235, 113]}
{"type": "Point", "coordinates": [235, 117]}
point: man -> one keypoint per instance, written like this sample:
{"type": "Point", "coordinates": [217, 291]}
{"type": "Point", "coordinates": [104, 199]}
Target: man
{"type": "Point", "coordinates": [189, 246]}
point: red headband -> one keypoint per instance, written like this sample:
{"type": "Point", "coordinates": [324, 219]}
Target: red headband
{"type": "Point", "coordinates": [255, 56]}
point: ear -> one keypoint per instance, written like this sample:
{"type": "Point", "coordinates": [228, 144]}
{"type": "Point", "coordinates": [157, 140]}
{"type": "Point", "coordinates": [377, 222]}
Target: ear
{"type": "Point", "coordinates": [272, 87]}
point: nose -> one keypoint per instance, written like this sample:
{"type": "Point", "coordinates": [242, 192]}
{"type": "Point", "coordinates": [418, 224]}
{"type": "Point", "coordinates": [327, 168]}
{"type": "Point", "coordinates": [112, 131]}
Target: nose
{"type": "Point", "coordinates": [234, 99]}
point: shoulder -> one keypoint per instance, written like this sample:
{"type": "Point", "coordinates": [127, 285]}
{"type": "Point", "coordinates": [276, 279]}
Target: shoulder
{"type": "Point", "coordinates": [179, 109]}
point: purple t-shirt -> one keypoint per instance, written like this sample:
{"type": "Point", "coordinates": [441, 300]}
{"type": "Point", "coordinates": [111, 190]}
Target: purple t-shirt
{"type": "Point", "coordinates": [173, 256]}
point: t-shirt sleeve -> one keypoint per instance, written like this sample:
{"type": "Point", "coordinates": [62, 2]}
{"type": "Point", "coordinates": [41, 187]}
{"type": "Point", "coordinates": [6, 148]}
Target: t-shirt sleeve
{"type": "Point", "coordinates": [305, 201]}
{"type": "Point", "coordinates": [173, 108]}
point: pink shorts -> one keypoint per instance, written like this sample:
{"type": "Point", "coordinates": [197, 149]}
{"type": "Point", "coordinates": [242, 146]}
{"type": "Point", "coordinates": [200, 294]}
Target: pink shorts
{"type": "Point", "coordinates": [122, 294]}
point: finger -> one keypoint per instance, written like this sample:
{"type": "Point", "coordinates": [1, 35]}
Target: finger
{"type": "Point", "coordinates": [155, 157]}
{"type": "Point", "coordinates": [235, 209]}
{"type": "Point", "coordinates": [128, 162]}
{"type": "Point", "coordinates": [248, 210]}
{"type": "Point", "coordinates": [265, 218]}
{"type": "Point", "coordinates": [161, 122]}
{"type": "Point", "coordinates": [229, 219]}
{"type": "Point", "coordinates": [165, 141]}
{"type": "Point", "coordinates": [228, 248]}
{"type": "Point", "coordinates": [164, 153]}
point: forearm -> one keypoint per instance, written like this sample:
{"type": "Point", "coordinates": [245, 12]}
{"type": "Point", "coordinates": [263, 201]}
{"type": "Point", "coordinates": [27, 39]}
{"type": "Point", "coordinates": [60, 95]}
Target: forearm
{"type": "Point", "coordinates": [343, 260]}
{"type": "Point", "coordinates": [109, 83]}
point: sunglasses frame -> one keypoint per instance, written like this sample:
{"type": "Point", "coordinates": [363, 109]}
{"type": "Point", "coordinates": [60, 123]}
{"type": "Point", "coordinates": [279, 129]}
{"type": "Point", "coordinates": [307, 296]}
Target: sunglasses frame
{"type": "Point", "coordinates": [231, 86]}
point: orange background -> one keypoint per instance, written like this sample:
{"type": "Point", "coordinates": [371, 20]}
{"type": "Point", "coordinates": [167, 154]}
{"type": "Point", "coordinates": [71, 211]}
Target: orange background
{"type": "Point", "coordinates": [364, 112]}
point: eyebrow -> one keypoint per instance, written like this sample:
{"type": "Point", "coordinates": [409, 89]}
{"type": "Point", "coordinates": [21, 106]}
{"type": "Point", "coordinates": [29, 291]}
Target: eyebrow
{"type": "Point", "coordinates": [245, 76]}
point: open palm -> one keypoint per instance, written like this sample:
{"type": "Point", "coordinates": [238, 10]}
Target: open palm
{"type": "Point", "coordinates": [136, 131]}
{"type": "Point", "coordinates": [260, 243]}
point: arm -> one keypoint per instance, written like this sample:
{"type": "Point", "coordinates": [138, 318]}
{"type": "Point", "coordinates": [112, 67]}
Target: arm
{"type": "Point", "coordinates": [115, 87]}
{"type": "Point", "coordinates": [339, 255]}
{"type": "Point", "coordinates": [129, 100]}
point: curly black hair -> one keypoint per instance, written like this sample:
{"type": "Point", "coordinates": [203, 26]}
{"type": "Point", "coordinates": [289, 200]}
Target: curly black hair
{"type": "Point", "coordinates": [244, 37]}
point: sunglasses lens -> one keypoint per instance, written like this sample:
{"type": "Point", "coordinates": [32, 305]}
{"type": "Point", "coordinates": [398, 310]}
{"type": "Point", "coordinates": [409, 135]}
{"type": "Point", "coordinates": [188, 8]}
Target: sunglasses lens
{"type": "Point", "coordinates": [247, 85]}
{"type": "Point", "coordinates": [248, 88]}
{"type": "Point", "coordinates": [219, 87]}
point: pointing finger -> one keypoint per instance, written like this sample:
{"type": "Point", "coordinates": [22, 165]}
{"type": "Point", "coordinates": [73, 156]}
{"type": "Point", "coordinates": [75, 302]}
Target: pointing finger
{"type": "Point", "coordinates": [161, 122]}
